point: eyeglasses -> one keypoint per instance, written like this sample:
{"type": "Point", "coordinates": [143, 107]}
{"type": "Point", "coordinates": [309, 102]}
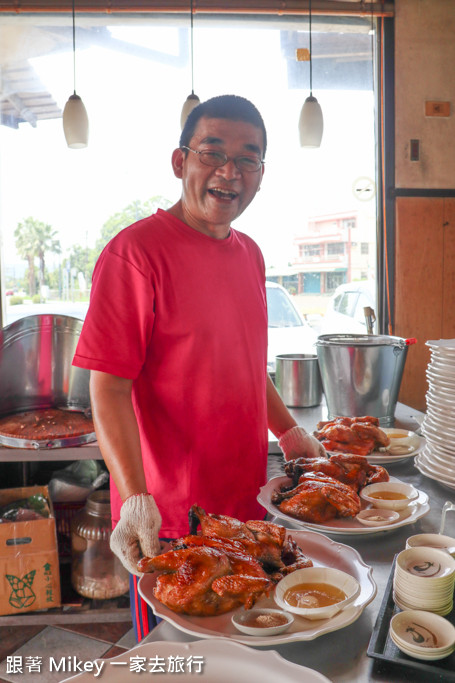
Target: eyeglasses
{"type": "Point", "coordinates": [218, 159]}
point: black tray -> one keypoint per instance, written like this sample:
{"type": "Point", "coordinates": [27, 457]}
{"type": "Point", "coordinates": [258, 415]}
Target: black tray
{"type": "Point", "coordinates": [382, 647]}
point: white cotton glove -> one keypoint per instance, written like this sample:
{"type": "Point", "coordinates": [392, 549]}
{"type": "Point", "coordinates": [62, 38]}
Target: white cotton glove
{"type": "Point", "coordinates": [136, 534]}
{"type": "Point", "coordinates": [297, 443]}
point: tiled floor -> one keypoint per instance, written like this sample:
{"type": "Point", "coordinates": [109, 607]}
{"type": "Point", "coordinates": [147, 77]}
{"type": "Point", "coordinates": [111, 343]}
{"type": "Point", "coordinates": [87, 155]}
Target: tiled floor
{"type": "Point", "coordinates": [32, 654]}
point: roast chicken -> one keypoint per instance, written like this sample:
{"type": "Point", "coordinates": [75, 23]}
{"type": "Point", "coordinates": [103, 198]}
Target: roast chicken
{"type": "Point", "coordinates": [206, 581]}
{"type": "Point", "coordinates": [356, 435]}
{"type": "Point", "coordinates": [229, 564]}
{"type": "Point", "coordinates": [323, 488]}
{"type": "Point", "coordinates": [317, 498]}
{"type": "Point", "coordinates": [354, 470]}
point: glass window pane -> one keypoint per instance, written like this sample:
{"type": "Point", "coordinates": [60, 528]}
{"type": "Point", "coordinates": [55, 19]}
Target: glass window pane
{"type": "Point", "coordinates": [315, 217]}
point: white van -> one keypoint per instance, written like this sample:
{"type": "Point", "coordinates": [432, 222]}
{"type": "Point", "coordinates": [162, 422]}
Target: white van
{"type": "Point", "coordinates": [345, 312]}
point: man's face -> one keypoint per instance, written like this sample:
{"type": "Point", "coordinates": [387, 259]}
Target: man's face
{"type": "Point", "coordinates": [213, 197]}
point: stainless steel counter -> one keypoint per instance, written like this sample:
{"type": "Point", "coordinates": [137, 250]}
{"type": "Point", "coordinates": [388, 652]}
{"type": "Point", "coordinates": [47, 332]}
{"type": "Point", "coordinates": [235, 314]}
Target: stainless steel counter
{"type": "Point", "coordinates": [341, 655]}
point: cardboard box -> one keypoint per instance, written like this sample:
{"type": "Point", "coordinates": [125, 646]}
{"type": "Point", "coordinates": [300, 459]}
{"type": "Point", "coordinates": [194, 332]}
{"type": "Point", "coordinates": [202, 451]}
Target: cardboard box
{"type": "Point", "coordinates": [29, 568]}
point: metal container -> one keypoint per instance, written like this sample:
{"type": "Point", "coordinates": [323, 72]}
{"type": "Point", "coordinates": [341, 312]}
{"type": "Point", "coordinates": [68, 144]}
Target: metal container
{"type": "Point", "coordinates": [361, 374]}
{"type": "Point", "coordinates": [298, 380]}
{"type": "Point", "coordinates": [36, 353]}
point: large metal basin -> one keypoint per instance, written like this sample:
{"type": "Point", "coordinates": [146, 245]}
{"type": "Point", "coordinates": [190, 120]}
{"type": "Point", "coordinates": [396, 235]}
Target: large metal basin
{"type": "Point", "coordinates": [36, 353]}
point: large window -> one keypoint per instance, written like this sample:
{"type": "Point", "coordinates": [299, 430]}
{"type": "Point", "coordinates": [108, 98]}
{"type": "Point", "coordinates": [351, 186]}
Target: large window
{"type": "Point", "coordinates": [60, 206]}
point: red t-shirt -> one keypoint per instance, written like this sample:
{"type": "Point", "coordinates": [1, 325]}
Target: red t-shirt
{"type": "Point", "coordinates": [184, 316]}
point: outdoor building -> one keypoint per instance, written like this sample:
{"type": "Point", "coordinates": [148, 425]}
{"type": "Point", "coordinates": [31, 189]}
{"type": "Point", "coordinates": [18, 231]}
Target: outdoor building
{"type": "Point", "coordinates": [334, 249]}
{"type": "Point", "coordinates": [329, 251]}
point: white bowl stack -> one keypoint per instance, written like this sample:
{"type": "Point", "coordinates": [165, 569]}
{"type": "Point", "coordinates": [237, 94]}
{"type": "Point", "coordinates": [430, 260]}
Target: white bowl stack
{"type": "Point", "coordinates": [422, 635]}
{"type": "Point", "coordinates": [437, 459]}
{"type": "Point", "coordinates": [424, 579]}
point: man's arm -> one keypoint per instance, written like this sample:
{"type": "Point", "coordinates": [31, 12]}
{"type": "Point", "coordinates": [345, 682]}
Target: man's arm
{"type": "Point", "coordinates": [279, 417]}
{"type": "Point", "coordinates": [137, 532]}
{"type": "Point", "coordinates": [117, 431]}
{"type": "Point", "coordinates": [293, 440]}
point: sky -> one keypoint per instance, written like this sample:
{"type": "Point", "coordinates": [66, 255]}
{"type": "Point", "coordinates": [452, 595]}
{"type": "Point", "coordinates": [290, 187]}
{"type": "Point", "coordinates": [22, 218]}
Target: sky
{"type": "Point", "coordinates": [134, 107]}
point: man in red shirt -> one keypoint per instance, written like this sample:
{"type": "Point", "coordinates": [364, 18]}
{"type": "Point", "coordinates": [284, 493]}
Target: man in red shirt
{"type": "Point", "coordinates": [176, 341]}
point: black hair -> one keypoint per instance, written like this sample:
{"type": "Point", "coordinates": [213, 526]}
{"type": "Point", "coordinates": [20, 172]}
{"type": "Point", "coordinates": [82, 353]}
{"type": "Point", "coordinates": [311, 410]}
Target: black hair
{"type": "Point", "coordinates": [231, 107]}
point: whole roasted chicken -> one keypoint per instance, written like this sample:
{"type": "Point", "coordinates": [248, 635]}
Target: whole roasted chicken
{"type": "Point", "coordinates": [356, 435]}
{"type": "Point", "coordinates": [354, 470]}
{"type": "Point", "coordinates": [206, 581]}
{"type": "Point", "coordinates": [317, 499]}
{"type": "Point", "coordinates": [229, 564]}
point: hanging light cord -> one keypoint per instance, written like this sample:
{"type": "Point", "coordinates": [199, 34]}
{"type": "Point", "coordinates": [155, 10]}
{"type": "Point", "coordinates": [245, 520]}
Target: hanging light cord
{"type": "Point", "coordinates": [192, 70]}
{"type": "Point", "coordinates": [311, 55]}
{"type": "Point", "coordinates": [74, 48]}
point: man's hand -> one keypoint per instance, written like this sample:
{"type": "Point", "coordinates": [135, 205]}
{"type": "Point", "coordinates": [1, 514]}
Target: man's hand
{"type": "Point", "coordinates": [297, 443]}
{"type": "Point", "coordinates": [136, 534]}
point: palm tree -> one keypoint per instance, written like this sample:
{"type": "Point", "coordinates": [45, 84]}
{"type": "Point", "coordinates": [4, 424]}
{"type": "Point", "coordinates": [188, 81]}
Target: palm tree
{"type": "Point", "coordinates": [34, 239]}
{"type": "Point", "coordinates": [25, 245]}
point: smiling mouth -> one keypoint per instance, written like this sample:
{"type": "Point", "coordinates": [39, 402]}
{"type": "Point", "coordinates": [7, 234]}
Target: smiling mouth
{"type": "Point", "coordinates": [226, 195]}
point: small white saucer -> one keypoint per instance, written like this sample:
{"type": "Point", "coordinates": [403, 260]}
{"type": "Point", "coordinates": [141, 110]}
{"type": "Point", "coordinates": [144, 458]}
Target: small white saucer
{"type": "Point", "coordinates": [377, 517]}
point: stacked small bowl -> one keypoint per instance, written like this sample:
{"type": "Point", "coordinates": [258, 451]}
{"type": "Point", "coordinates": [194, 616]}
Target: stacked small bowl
{"type": "Point", "coordinates": [437, 459]}
{"type": "Point", "coordinates": [424, 579]}
{"type": "Point", "coordinates": [422, 635]}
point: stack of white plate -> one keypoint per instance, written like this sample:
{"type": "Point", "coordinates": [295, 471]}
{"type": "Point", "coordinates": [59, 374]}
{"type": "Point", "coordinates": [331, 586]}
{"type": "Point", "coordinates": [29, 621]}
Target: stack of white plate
{"type": "Point", "coordinates": [424, 580]}
{"type": "Point", "coordinates": [437, 459]}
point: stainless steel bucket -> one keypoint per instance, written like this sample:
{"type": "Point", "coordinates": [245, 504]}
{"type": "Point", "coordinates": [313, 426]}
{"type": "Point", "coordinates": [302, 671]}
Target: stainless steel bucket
{"type": "Point", "coordinates": [298, 380]}
{"type": "Point", "coordinates": [361, 374]}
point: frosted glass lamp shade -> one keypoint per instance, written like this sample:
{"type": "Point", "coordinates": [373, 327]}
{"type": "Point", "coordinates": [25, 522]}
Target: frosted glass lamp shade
{"type": "Point", "coordinates": [75, 123]}
{"type": "Point", "coordinates": [311, 123]}
{"type": "Point", "coordinates": [190, 103]}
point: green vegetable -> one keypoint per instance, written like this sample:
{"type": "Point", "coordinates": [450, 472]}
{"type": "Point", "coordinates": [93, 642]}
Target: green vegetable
{"type": "Point", "coordinates": [37, 502]}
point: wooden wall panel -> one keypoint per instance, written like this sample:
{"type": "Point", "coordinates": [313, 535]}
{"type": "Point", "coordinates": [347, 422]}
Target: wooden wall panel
{"type": "Point", "coordinates": [419, 288]}
{"type": "Point", "coordinates": [448, 308]}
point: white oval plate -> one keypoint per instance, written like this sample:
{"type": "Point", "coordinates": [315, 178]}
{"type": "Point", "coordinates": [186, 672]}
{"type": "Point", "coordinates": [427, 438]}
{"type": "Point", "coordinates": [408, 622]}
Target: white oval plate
{"type": "Point", "coordinates": [222, 661]}
{"type": "Point", "coordinates": [433, 435]}
{"type": "Point", "coordinates": [436, 407]}
{"type": "Point", "coordinates": [445, 464]}
{"type": "Point", "coordinates": [441, 452]}
{"type": "Point", "coordinates": [442, 345]}
{"type": "Point", "coordinates": [442, 426]}
{"type": "Point", "coordinates": [447, 472]}
{"type": "Point", "coordinates": [347, 526]}
{"type": "Point", "coordinates": [421, 464]}
{"type": "Point", "coordinates": [382, 458]}
{"type": "Point", "coordinates": [441, 377]}
{"type": "Point", "coordinates": [324, 552]}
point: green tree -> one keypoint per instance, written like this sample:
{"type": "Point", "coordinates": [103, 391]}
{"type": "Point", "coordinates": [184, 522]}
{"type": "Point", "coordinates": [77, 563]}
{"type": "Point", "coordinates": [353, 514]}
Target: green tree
{"type": "Point", "coordinates": [25, 245]}
{"type": "Point", "coordinates": [33, 240]}
{"type": "Point", "coordinates": [130, 214]}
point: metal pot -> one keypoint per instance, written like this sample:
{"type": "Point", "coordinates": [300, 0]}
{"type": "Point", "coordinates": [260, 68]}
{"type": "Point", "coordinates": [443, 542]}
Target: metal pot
{"type": "Point", "coordinates": [36, 372]}
{"type": "Point", "coordinates": [298, 380]}
{"type": "Point", "coordinates": [361, 374]}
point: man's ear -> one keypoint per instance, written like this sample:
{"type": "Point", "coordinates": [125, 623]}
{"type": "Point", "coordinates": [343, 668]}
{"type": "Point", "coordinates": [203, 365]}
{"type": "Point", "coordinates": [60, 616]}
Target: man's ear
{"type": "Point", "coordinates": [178, 158]}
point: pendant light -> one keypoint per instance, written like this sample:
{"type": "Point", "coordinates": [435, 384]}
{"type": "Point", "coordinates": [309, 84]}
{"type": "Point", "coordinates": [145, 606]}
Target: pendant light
{"type": "Point", "coordinates": [75, 119]}
{"type": "Point", "coordinates": [192, 100]}
{"type": "Point", "coordinates": [311, 122]}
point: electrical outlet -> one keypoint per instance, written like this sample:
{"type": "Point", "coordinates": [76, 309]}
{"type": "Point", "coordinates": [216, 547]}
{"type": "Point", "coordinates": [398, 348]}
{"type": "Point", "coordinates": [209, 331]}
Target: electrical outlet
{"type": "Point", "coordinates": [437, 108]}
{"type": "Point", "coordinates": [414, 150]}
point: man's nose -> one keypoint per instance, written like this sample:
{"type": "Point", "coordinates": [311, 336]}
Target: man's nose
{"type": "Point", "coordinates": [229, 170]}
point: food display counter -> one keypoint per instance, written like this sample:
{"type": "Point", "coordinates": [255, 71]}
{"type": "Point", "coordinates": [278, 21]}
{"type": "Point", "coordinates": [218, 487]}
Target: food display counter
{"type": "Point", "coordinates": [342, 655]}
